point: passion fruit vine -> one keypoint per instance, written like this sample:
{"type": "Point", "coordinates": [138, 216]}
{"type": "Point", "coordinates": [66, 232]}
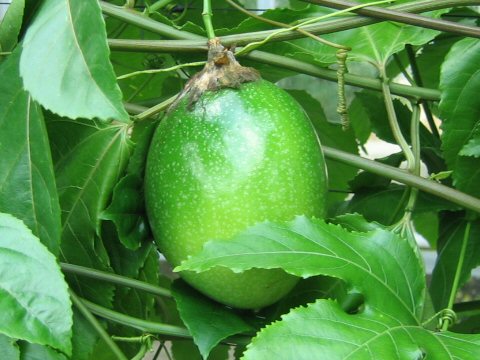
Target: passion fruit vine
{"type": "Point", "coordinates": [233, 150]}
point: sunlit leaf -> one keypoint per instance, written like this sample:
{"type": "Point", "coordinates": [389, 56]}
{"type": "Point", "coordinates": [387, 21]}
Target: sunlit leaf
{"type": "Point", "coordinates": [324, 331]}
{"type": "Point", "coordinates": [34, 301]}
{"type": "Point", "coordinates": [65, 62]}
{"type": "Point", "coordinates": [308, 247]}
{"type": "Point", "coordinates": [9, 348]}
{"type": "Point", "coordinates": [11, 24]}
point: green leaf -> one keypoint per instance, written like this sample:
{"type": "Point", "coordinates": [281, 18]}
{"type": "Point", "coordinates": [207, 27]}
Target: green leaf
{"type": "Point", "coordinates": [460, 112]}
{"type": "Point", "coordinates": [11, 24]}
{"type": "Point", "coordinates": [88, 163]}
{"type": "Point", "coordinates": [324, 328]}
{"type": "Point", "coordinates": [187, 350]}
{"type": "Point", "coordinates": [9, 348]}
{"type": "Point", "coordinates": [308, 247]}
{"type": "Point", "coordinates": [34, 304]}
{"type": "Point", "coordinates": [374, 43]}
{"type": "Point", "coordinates": [431, 58]}
{"type": "Point", "coordinates": [378, 264]}
{"type": "Point", "coordinates": [27, 182]}
{"type": "Point", "coordinates": [65, 62]}
{"type": "Point", "coordinates": [84, 337]}
{"type": "Point", "coordinates": [208, 322]}
{"type": "Point", "coordinates": [305, 292]}
{"type": "Point", "coordinates": [39, 352]}
{"type": "Point", "coordinates": [472, 148]}
{"type": "Point", "coordinates": [451, 235]}
{"type": "Point", "coordinates": [127, 212]}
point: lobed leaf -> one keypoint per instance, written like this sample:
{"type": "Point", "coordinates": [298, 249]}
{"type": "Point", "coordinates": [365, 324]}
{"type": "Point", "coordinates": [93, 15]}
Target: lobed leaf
{"type": "Point", "coordinates": [378, 264]}
{"type": "Point", "coordinates": [34, 300]}
{"type": "Point", "coordinates": [27, 182]}
{"type": "Point", "coordinates": [324, 331]}
{"type": "Point", "coordinates": [65, 62]}
{"type": "Point", "coordinates": [88, 162]}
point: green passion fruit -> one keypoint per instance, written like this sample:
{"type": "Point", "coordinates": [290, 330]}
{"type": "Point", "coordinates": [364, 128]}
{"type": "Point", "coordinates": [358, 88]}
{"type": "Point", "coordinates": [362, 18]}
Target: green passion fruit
{"type": "Point", "coordinates": [232, 158]}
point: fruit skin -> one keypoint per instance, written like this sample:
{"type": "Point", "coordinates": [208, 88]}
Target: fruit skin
{"type": "Point", "coordinates": [239, 157]}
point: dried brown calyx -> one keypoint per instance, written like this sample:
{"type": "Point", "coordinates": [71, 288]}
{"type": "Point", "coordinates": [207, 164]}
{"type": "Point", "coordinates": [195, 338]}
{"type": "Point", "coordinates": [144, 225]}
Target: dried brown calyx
{"type": "Point", "coordinates": [222, 70]}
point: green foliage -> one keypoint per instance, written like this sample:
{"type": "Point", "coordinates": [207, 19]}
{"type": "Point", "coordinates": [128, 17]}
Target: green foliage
{"type": "Point", "coordinates": [27, 180]}
{"type": "Point", "coordinates": [72, 163]}
{"type": "Point", "coordinates": [10, 25]}
{"type": "Point", "coordinates": [307, 248]}
{"type": "Point", "coordinates": [8, 348]}
{"type": "Point", "coordinates": [450, 239]}
{"type": "Point", "coordinates": [460, 81]}
{"type": "Point", "coordinates": [86, 172]}
{"type": "Point", "coordinates": [33, 313]}
{"type": "Point", "coordinates": [381, 329]}
{"type": "Point", "coordinates": [64, 68]}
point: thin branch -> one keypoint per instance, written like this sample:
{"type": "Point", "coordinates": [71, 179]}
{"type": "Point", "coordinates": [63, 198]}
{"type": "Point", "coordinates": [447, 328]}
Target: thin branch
{"type": "Point", "coordinates": [140, 324]}
{"type": "Point", "coordinates": [114, 279]}
{"type": "Point", "coordinates": [156, 71]}
{"type": "Point", "coordinates": [402, 176]}
{"type": "Point", "coordinates": [80, 305]}
{"type": "Point", "coordinates": [285, 63]}
{"type": "Point", "coordinates": [398, 16]}
{"type": "Point", "coordinates": [168, 331]}
{"type": "Point", "coordinates": [148, 113]}
{"type": "Point", "coordinates": [418, 81]}
{"type": "Point", "coordinates": [286, 26]}
{"type": "Point", "coordinates": [190, 40]}
{"type": "Point", "coordinates": [350, 79]}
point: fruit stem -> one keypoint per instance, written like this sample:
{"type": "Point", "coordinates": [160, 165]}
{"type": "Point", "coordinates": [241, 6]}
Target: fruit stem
{"type": "Point", "coordinates": [82, 308]}
{"type": "Point", "coordinates": [393, 121]}
{"type": "Point", "coordinates": [207, 19]}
